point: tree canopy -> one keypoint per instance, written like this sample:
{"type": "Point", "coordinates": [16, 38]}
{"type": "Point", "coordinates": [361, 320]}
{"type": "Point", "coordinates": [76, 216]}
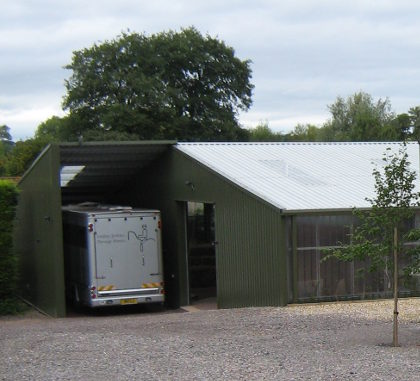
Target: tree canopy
{"type": "Point", "coordinates": [23, 153]}
{"type": "Point", "coordinates": [359, 118]}
{"type": "Point", "coordinates": [169, 85]}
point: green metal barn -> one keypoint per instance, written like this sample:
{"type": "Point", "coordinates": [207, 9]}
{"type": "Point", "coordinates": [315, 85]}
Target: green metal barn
{"type": "Point", "coordinates": [245, 222]}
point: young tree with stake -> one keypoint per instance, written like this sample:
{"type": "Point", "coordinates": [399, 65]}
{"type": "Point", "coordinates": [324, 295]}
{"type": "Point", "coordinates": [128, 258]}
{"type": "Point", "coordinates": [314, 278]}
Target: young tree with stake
{"type": "Point", "coordinates": [382, 238]}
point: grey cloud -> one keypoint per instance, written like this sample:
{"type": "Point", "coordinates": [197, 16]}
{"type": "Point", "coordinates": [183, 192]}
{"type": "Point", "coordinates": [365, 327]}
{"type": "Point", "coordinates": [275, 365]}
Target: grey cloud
{"type": "Point", "coordinates": [304, 53]}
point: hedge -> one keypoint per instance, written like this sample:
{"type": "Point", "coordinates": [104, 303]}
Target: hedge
{"type": "Point", "coordinates": [8, 262]}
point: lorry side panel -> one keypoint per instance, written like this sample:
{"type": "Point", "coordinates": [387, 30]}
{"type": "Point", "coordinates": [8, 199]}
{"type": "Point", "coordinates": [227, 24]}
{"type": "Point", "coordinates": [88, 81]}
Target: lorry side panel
{"type": "Point", "coordinates": [76, 256]}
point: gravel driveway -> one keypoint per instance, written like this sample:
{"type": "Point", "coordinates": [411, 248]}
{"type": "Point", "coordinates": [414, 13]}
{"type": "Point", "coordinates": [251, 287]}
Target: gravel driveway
{"type": "Point", "coordinates": [337, 341]}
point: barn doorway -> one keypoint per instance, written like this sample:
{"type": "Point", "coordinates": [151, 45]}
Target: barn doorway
{"type": "Point", "coordinates": [201, 252]}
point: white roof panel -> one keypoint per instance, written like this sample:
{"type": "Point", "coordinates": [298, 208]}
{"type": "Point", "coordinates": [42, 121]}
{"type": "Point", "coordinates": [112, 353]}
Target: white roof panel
{"type": "Point", "coordinates": [300, 176]}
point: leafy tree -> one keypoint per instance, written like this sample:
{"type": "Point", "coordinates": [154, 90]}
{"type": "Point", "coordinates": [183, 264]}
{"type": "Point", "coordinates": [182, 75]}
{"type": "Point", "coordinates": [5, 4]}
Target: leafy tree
{"type": "Point", "coordinates": [414, 117]}
{"type": "Point", "coordinates": [2, 160]}
{"type": "Point", "coordinates": [17, 160]}
{"type": "Point", "coordinates": [304, 133]}
{"type": "Point", "coordinates": [22, 155]}
{"type": "Point", "coordinates": [5, 133]}
{"type": "Point", "coordinates": [55, 129]}
{"type": "Point", "coordinates": [359, 118]}
{"type": "Point", "coordinates": [183, 86]}
{"type": "Point", "coordinates": [18, 156]}
{"type": "Point", "coordinates": [263, 133]}
{"type": "Point", "coordinates": [400, 128]}
{"type": "Point", "coordinates": [102, 135]}
{"type": "Point", "coordinates": [6, 142]}
{"type": "Point", "coordinates": [6, 145]}
{"type": "Point", "coordinates": [382, 236]}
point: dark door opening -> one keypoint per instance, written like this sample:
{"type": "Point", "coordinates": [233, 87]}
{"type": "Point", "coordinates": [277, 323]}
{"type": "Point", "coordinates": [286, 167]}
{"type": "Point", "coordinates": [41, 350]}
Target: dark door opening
{"type": "Point", "coordinates": [201, 251]}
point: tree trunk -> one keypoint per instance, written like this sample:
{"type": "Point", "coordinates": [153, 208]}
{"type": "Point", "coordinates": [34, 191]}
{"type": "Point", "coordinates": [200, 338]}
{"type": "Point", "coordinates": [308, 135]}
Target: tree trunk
{"type": "Point", "coordinates": [395, 330]}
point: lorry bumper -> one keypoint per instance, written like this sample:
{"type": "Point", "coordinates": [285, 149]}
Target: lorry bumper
{"type": "Point", "coordinates": [129, 299]}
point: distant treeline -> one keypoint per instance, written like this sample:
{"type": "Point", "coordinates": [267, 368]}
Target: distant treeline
{"type": "Point", "coordinates": [357, 118]}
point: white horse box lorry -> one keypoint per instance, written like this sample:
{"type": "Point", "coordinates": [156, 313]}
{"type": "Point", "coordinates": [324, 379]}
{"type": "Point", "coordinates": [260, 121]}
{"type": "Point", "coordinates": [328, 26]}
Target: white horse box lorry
{"type": "Point", "coordinates": [113, 255]}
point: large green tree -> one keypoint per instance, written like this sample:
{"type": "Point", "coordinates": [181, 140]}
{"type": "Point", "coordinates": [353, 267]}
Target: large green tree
{"type": "Point", "coordinates": [170, 85]}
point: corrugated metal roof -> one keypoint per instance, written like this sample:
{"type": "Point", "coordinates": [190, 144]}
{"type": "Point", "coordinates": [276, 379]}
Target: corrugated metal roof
{"type": "Point", "coordinates": [300, 176]}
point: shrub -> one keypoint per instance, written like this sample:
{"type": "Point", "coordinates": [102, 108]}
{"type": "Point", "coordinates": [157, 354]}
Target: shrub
{"type": "Point", "coordinates": [8, 262]}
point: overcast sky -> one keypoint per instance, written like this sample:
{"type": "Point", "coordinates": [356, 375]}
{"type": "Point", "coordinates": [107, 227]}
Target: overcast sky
{"type": "Point", "coordinates": [304, 52]}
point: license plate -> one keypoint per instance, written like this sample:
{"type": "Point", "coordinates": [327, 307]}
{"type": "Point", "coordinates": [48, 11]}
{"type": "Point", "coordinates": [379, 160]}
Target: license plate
{"type": "Point", "coordinates": [128, 301]}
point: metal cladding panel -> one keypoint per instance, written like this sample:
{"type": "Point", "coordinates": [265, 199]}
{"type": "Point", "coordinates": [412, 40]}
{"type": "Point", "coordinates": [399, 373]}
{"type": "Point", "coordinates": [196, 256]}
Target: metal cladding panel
{"type": "Point", "coordinates": [251, 268]}
{"type": "Point", "coordinates": [38, 241]}
{"type": "Point", "coordinates": [250, 259]}
{"type": "Point", "coordinates": [300, 176]}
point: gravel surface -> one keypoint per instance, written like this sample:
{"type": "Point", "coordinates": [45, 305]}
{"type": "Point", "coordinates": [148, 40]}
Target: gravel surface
{"type": "Point", "coordinates": [335, 341]}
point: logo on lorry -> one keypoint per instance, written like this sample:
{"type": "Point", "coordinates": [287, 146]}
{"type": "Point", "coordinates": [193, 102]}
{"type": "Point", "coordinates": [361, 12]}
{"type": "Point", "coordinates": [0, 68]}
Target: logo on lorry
{"type": "Point", "coordinates": [142, 237]}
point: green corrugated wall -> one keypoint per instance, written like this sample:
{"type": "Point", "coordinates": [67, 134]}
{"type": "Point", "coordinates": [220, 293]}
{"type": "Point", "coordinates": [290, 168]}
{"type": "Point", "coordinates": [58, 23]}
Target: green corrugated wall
{"type": "Point", "coordinates": [250, 255]}
{"type": "Point", "coordinates": [38, 241]}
